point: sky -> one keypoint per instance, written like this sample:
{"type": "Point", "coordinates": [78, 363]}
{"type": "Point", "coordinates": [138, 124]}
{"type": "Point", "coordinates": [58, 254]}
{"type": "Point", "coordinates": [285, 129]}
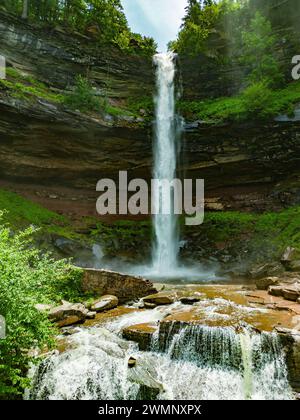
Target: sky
{"type": "Point", "coordinates": [160, 19]}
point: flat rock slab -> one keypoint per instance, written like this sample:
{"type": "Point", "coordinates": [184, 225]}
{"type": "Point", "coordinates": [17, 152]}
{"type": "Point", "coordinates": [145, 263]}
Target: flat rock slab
{"type": "Point", "coordinates": [105, 303]}
{"type": "Point", "coordinates": [141, 334]}
{"type": "Point", "coordinates": [125, 287]}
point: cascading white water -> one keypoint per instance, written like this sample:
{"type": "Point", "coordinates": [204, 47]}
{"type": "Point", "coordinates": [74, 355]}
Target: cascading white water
{"type": "Point", "coordinates": [184, 362]}
{"type": "Point", "coordinates": [166, 245]}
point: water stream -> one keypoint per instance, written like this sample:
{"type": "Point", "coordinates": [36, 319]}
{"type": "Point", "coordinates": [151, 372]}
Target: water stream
{"type": "Point", "coordinates": [184, 362]}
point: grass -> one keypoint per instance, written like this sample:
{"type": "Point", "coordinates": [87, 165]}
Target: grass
{"type": "Point", "coordinates": [21, 211]}
{"type": "Point", "coordinates": [18, 212]}
{"type": "Point", "coordinates": [242, 107]}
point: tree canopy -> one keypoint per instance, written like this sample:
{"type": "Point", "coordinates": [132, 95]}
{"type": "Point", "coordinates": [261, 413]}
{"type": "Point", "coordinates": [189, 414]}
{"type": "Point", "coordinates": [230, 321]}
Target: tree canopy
{"type": "Point", "coordinates": [102, 19]}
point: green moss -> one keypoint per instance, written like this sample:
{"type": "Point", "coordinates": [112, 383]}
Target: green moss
{"type": "Point", "coordinates": [21, 211]}
{"type": "Point", "coordinates": [135, 105]}
{"type": "Point", "coordinates": [270, 232]}
{"type": "Point", "coordinates": [256, 102]}
{"type": "Point", "coordinates": [123, 235]}
{"type": "Point", "coordinates": [26, 87]}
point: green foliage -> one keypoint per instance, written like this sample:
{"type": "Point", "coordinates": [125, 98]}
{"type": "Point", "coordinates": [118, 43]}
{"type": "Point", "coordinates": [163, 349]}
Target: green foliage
{"type": "Point", "coordinates": [271, 230]}
{"type": "Point", "coordinates": [257, 100]}
{"type": "Point", "coordinates": [103, 19]}
{"type": "Point", "coordinates": [123, 235]}
{"type": "Point", "coordinates": [135, 105]}
{"type": "Point", "coordinates": [198, 24]}
{"type": "Point", "coordinates": [258, 52]}
{"type": "Point", "coordinates": [22, 211]}
{"type": "Point", "coordinates": [26, 87]}
{"type": "Point", "coordinates": [83, 97]}
{"type": "Point", "coordinates": [27, 278]}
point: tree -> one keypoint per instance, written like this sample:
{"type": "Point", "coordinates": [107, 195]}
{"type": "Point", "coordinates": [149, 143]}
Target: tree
{"type": "Point", "coordinates": [259, 46]}
{"type": "Point", "coordinates": [25, 11]}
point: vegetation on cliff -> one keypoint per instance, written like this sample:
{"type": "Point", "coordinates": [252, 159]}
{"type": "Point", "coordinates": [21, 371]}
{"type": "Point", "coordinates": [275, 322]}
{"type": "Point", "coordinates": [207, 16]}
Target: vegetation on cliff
{"type": "Point", "coordinates": [27, 278]}
{"type": "Point", "coordinates": [103, 20]}
{"type": "Point", "coordinates": [255, 102]}
{"type": "Point", "coordinates": [237, 35]}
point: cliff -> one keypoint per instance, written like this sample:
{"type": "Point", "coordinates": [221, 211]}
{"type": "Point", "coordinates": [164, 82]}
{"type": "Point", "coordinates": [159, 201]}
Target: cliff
{"type": "Point", "coordinates": [55, 156]}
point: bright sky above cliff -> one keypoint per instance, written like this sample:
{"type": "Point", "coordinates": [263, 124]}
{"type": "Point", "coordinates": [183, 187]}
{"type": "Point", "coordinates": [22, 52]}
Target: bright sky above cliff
{"type": "Point", "coordinates": [160, 19]}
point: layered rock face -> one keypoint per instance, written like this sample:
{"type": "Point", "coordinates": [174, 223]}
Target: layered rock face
{"type": "Point", "coordinates": [56, 156]}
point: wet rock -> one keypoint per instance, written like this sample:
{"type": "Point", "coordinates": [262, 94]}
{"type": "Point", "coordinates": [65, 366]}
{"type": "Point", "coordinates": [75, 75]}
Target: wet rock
{"type": "Point", "coordinates": [266, 282]}
{"type": "Point", "coordinates": [125, 287]}
{"type": "Point", "coordinates": [68, 314]}
{"type": "Point", "coordinates": [291, 259]}
{"type": "Point", "coordinates": [105, 303]}
{"type": "Point", "coordinates": [131, 362]}
{"type": "Point", "coordinates": [91, 315]}
{"type": "Point", "coordinates": [141, 334]}
{"type": "Point", "coordinates": [273, 269]}
{"type": "Point", "coordinates": [291, 340]}
{"type": "Point", "coordinates": [161, 298]}
{"type": "Point", "coordinates": [145, 374]}
{"type": "Point", "coordinates": [190, 300]}
{"type": "Point", "coordinates": [288, 292]}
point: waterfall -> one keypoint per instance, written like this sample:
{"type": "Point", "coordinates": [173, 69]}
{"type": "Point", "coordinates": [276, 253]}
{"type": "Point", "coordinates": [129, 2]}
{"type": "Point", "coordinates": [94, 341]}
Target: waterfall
{"type": "Point", "coordinates": [166, 244]}
{"type": "Point", "coordinates": [185, 362]}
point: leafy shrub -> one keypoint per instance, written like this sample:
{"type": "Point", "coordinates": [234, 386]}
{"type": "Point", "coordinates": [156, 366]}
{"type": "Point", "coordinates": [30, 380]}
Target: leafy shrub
{"type": "Point", "coordinates": [83, 97]}
{"type": "Point", "coordinates": [27, 278]}
{"type": "Point", "coordinates": [257, 99]}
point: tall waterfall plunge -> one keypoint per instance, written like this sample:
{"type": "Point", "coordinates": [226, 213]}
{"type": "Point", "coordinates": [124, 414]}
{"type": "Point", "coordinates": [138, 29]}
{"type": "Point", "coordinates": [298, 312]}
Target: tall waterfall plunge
{"type": "Point", "coordinates": [166, 245]}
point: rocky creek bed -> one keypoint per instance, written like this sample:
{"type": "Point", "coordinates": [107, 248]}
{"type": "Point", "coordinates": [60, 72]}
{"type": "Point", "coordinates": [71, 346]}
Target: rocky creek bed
{"type": "Point", "coordinates": [229, 341]}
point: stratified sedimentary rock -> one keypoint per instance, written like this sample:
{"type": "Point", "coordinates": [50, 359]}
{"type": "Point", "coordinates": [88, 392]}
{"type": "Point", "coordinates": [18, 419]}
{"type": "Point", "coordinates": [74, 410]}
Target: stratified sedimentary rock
{"type": "Point", "coordinates": [125, 287]}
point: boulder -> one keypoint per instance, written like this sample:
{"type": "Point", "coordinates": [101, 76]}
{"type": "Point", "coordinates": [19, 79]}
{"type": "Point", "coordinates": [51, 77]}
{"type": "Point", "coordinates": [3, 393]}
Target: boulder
{"type": "Point", "coordinates": [131, 362]}
{"type": "Point", "coordinates": [161, 298]}
{"type": "Point", "coordinates": [125, 287]}
{"type": "Point", "coordinates": [288, 292]}
{"type": "Point", "coordinates": [42, 307]}
{"type": "Point", "coordinates": [294, 265]}
{"type": "Point", "coordinates": [291, 293]}
{"type": "Point", "coordinates": [190, 300]}
{"type": "Point", "coordinates": [265, 282]}
{"type": "Point", "coordinates": [291, 340]}
{"type": "Point", "coordinates": [291, 259]}
{"type": "Point", "coordinates": [105, 303]}
{"type": "Point", "coordinates": [273, 269]}
{"type": "Point", "coordinates": [141, 334]}
{"type": "Point", "coordinates": [68, 314]}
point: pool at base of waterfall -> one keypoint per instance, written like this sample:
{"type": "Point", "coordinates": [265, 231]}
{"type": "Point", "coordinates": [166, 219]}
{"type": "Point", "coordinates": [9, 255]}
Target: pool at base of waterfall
{"type": "Point", "coordinates": [183, 361]}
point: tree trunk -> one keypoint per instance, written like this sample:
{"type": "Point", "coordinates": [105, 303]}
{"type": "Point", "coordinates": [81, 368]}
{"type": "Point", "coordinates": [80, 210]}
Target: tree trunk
{"type": "Point", "coordinates": [25, 9]}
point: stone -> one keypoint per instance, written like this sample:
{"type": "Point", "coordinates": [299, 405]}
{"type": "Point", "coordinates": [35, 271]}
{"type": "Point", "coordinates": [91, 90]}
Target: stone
{"type": "Point", "coordinates": [273, 269]}
{"type": "Point", "coordinates": [276, 291]}
{"type": "Point", "coordinates": [190, 300]}
{"type": "Point", "coordinates": [291, 293]}
{"type": "Point", "coordinates": [91, 315]}
{"type": "Point", "coordinates": [68, 314]}
{"type": "Point", "coordinates": [288, 292]}
{"type": "Point", "coordinates": [131, 362]}
{"type": "Point", "coordinates": [125, 287]}
{"type": "Point", "coordinates": [141, 334]}
{"type": "Point", "coordinates": [43, 308]}
{"type": "Point", "coordinates": [105, 303]}
{"type": "Point", "coordinates": [294, 265]}
{"type": "Point", "coordinates": [161, 298]}
{"type": "Point", "coordinates": [291, 341]}
{"type": "Point", "coordinates": [265, 282]}
{"type": "Point", "coordinates": [291, 259]}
